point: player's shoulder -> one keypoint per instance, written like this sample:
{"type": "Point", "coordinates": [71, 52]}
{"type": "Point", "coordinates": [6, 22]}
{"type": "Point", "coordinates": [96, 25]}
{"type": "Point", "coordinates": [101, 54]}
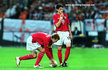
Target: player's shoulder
{"type": "Point", "coordinates": [65, 14]}
{"type": "Point", "coordinates": [40, 33]}
{"type": "Point", "coordinates": [55, 15]}
{"type": "Point", "coordinates": [46, 35]}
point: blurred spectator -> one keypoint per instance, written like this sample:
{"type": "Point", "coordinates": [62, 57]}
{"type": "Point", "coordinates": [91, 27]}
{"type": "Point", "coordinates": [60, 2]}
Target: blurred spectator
{"type": "Point", "coordinates": [9, 12]}
{"type": "Point", "coordinates": [35, 15]}
{"type": "Point", "coordinates": [76, 31]}
{"type": "Point", "coordinates": [42, 9]}
{"type": "Point", "coordinates": [24, 14]}
{"type": "Point", "coordinates": [98, 15]}
{"type": "Point", "coordinates": [2, 12]}
{"type": "Point", "coordinates": [31, 11]}
{"type": "Point", "coordinates": [89, 2]}
{"type": "Point", "coordinates": [67, 9]}
{"type": "Point", "coordinates": [18, 10]}
{"type": "Point", "coordinates": [92, 13]}
{"type": "Point", "coordinates": [105, 16]}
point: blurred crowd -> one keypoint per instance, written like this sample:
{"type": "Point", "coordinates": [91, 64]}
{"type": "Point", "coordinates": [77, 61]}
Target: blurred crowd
{"type": "Point", "coordinates": [45, 9]}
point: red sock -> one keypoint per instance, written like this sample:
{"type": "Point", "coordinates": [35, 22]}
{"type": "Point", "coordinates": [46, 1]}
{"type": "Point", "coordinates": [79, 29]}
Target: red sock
{"type": "Point", "coordinates": [39, 58]}
{"type": "Point", "coordinates": [67, 52]}
{"type": "Point", "coordinates": [26, 57]}
{"type": "Point", "coordinates": [60, 56]}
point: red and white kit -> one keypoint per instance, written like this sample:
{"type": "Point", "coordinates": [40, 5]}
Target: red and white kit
{"type": "Point", "coordinates": [63, 29]}
{"type": "Point", "coordinates": [38, 40]}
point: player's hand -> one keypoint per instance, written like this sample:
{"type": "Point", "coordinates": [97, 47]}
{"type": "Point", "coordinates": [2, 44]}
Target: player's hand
{"type": "Point", "coordinates": [53, 63]}
{"type": "Point", "coordinates": [52, 60]}
{"type": "Point", "coordinates": [61, 15]}
{"type": "Point", "coordinates": [71, 37]}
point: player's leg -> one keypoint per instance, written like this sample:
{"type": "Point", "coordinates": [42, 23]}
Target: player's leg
{"type": "Point", "coordinates": [39, 58]}
{"type": "Point", "coordinates": [67, 42]}
{"type": "Point", "coordinates": [30, 47]}
{"type": "Point", "coordinates": [29, 56]}
{"type": "Point", "coordinates": [50, 50]}
{"type": "Point", "coordinates": [26, 57]}
{"type": "Point", "coordinates": [67, 53]}
{"type": "Point", "coordinates": [59, 44]}
{"type": "Point", "coordinates": [60, 54]}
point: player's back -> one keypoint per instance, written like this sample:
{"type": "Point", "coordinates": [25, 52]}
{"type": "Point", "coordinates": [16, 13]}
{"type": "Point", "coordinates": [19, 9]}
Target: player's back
{"type": "Point", "coordinates": [40, 37]}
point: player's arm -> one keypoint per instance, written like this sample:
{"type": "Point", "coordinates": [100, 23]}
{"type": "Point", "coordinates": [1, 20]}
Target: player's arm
{"type": "Point", "coordinates": [47, 52]}
{"type": "Point", "coordinates": [70, 34]}
{"type": "Point", "coordinates": [50, 50]}
{"type": "Point", "coordinates": [60, 20]}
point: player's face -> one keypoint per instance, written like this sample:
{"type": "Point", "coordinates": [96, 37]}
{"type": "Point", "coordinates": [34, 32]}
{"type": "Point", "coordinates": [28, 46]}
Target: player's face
{"type": "Point", "coordinates": [60, 10]}
{"type": "Point", "coordinates": [54, 40]}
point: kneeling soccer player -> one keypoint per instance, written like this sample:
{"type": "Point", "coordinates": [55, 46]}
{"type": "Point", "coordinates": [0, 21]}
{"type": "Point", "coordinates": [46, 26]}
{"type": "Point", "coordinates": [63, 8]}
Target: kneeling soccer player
{"type": "Point", "coordinates": [34, 43]}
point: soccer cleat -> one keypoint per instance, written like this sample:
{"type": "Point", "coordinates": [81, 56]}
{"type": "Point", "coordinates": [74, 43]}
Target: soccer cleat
{"type": "Point", "coordinates": [38, 66]}
{"type": "Point", "coordinates": [64, 64]}
{"type": "Point", "coordinates": [61, 65]}
{"type": "Point", "coordinates": [17, 61]}
{"type": "Point", "coordinates": [54, 65]}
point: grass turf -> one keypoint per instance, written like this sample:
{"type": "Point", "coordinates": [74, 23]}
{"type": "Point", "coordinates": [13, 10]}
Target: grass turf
{"type": "Point", "coordinates": [79, 59]}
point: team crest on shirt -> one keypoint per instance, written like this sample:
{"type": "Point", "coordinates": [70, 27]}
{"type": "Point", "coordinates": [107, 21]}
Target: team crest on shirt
{"type": "Point", "coordinates": [64, 17]}
{"type": "Point", "coordinates": [63, 21]}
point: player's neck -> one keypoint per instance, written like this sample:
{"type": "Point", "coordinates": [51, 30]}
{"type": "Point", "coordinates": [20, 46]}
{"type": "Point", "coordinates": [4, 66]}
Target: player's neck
{"type": "Point", "coordinates": [58, 13]}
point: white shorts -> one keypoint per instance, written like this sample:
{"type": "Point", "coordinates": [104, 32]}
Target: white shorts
{"type": "Point", "coordinates": [64, 38]}
{"type": "Point", "coordinates": [32, 46]}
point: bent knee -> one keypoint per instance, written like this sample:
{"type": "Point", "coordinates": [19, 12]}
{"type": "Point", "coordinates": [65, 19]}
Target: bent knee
{"type": "Point", "coordinates": [43, 50]}
{"type": "Point", "coordinates": [34, 56]}
{"type": "Point", "coordinates": [60, 48]}
{"type": "Point", "coordinates": [68, 45]}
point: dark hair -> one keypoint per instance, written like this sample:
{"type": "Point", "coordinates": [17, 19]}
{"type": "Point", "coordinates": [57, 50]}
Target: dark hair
{"type": "Point", "coordinates": [76, 28]}
{"type": "Point", "coordinates": [55, 36]}
{"type": "Point", "coordinates": [58, 6]}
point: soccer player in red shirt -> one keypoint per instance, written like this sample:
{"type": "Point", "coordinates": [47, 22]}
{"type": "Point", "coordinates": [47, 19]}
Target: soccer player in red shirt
{"type": "Point", "coordinates": [34, 43]}
{"type": "Point", "coordinates": [61, 22]}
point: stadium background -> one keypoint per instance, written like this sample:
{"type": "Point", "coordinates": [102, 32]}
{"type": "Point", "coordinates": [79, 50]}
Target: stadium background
{"type": "Point", "coordinates": [20, 18]}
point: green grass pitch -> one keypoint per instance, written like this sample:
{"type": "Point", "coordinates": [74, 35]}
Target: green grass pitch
{"type": "Point", "coordinates": [79, 59]}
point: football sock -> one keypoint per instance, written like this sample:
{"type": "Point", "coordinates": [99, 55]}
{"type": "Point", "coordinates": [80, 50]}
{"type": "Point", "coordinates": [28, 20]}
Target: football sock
{"type": "Point", "coordinates": [39, 58]}
{"type": "Point", "coordinates": [60, 56]}
{"type": "Point", "coordinates": [50, 49]}
{"type": "Point", "coordinates": [26, 57]}
{"type": "Point", "coordinates": [67, 52]}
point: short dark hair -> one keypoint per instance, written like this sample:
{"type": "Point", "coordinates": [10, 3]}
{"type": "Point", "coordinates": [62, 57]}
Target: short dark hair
{"type": "Point", "coordinates": [58, 6]}
{"type": "Point", "coordinates": [76, 28]}
{"type": "Point", "coordinates": [55, 36]}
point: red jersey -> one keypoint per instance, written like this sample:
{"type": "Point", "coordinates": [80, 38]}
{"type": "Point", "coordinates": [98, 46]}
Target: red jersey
{"type": "Point", "coordinates": [41, 38]}
{"type": "Point", "coordinates": [64, 24]}
{"type": "Point", "coordinates": [45, 40]}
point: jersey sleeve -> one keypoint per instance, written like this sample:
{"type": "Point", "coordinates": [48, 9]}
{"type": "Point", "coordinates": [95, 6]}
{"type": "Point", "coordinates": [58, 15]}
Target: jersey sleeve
{"type": "Point", "coordinates": [51, 52]}
{"type": "Point", "coordinates": [55, 20]}
{"type": "Point", "coordinates": [47, 51]}
{"type": "Point", "coordinates": [46, 47]}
